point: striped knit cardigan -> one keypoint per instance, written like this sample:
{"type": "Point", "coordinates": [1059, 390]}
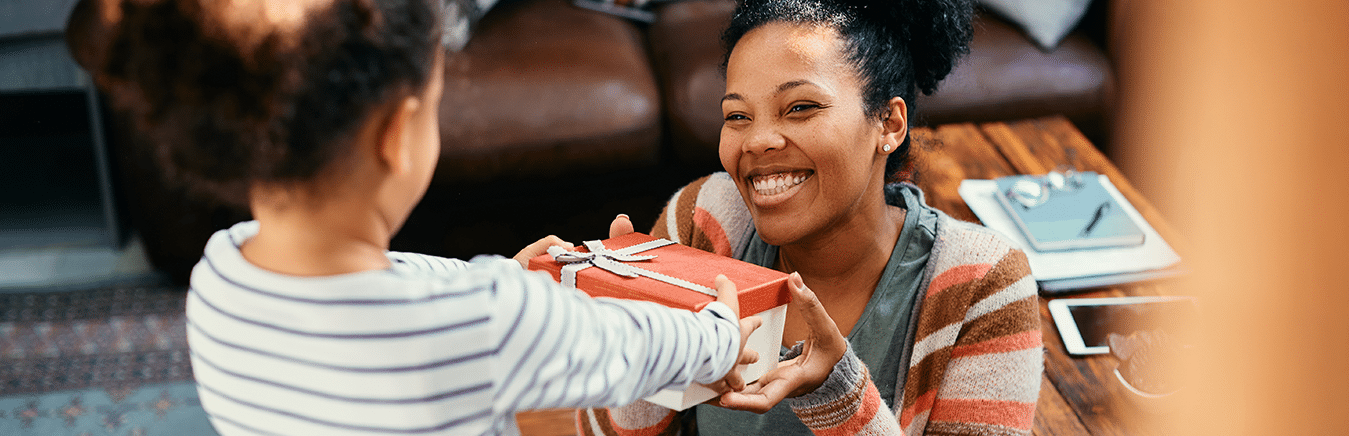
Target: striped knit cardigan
{"type": "Point", "coordinates": [975, 363]}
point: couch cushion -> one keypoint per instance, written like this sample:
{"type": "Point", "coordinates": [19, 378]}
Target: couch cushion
{"type": "Point", "coordinates": [545, 87]}
{"type": "Point", "coordinates": [460, 20]}
{"type": "Point", "coordinates": [1006, 76]}
{"type": "Point", "coordinates": [1045, 21]}
{"type": "Point", "coordinates": [687, 52]}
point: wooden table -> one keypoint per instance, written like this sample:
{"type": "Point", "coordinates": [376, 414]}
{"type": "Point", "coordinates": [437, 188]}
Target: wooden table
{"type": "Point", "coordinates": [1077, 395]}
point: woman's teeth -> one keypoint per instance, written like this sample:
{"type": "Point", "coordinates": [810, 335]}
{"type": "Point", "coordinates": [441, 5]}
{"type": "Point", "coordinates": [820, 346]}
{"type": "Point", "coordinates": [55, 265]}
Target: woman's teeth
{"type": "Point", "coordinates": [773, 184]}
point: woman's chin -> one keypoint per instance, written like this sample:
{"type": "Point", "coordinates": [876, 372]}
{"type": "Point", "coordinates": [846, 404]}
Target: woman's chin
{"type": "Point", "coordinates": [777, 230]}
{"type": "Point", "coordinates": [779, 215]}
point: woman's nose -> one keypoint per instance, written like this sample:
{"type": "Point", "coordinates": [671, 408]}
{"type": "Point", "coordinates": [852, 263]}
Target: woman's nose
{"type": "Point", "coordinates": [763, 139]}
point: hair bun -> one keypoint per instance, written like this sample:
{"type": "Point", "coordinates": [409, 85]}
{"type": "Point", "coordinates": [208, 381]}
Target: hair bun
{"type": "Point", "coordinates": [935, 32]}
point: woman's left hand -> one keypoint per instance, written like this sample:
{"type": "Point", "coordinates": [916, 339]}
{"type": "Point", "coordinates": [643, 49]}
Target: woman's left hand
{"type": "Point", "coordinates": [804, 373]}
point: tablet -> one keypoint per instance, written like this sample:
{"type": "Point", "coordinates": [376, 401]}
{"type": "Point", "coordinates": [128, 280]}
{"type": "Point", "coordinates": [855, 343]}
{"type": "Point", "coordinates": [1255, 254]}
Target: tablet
{"type": "Point", "coordinates": [1086, 323]}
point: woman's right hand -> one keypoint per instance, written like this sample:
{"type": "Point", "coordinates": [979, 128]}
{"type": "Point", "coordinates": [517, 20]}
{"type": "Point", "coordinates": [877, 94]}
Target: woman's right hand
{"type": "Point", "coordinates": [800, 375]}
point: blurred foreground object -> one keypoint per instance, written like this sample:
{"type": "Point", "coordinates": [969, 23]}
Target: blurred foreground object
{"type": "Point", "coordinates": [1236, 114]}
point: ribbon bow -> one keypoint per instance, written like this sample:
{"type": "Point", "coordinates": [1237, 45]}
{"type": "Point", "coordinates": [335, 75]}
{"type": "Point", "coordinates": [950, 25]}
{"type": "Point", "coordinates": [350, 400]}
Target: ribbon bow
{"type": "Point", "coordinates": [614, 261]}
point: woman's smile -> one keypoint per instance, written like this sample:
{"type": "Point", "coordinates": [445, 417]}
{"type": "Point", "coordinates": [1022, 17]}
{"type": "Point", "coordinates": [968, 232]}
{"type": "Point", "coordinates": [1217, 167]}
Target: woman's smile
{"type": "Point", "coordinates": [774, 188]}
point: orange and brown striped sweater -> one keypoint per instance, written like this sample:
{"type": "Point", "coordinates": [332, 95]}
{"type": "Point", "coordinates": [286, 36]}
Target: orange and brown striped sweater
{"type": "Point", "coordinates": [975, 357]}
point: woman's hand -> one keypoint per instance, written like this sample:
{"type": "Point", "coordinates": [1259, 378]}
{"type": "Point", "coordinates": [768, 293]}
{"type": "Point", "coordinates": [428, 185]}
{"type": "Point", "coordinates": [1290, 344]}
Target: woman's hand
{"type": "Point", "coordinates": [539, 248]}
{"type": "Point", "coordinates": [621, 225]}
{"type": "Point", "coordinates": [804, 373]}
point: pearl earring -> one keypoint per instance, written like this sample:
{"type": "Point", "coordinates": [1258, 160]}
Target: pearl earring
{"type": "Point", "coordinates": [885, 148]}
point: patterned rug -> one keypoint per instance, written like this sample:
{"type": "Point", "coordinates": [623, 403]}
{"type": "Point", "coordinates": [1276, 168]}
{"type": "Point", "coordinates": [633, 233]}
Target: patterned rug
{"type": "Point", "coordinates": [106, 361]}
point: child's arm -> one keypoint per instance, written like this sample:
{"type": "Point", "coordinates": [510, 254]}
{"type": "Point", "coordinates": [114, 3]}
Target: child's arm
{"type": "Point", "coordinates": [561, 348]}
{"type": "Point", "coordinates": [441, 264]}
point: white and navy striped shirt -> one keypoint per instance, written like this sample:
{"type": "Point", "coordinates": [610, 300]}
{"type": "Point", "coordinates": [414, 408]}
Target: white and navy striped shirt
{"type": "Point", "coordinates": [430, 346]}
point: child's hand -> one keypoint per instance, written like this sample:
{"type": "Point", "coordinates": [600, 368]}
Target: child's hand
{"type": "Point", "coordinates": [726, 294]}
{"type": "Point", "coordinates": [539, 248]}
{"type": "Point", "coordinates": [619, 227]}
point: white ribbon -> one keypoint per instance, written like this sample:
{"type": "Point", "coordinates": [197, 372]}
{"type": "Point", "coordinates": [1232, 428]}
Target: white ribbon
{"type": "Point", "coordinates": [613, 261]}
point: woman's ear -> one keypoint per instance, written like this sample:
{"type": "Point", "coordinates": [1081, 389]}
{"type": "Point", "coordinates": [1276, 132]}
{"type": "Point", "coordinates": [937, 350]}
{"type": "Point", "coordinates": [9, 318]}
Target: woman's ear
{"type": "Point", "coordinates": [894, 125]}
{"type": "Point", "coordinates": [394, 147]}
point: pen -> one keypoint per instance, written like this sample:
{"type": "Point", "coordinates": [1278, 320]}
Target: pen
{"type": "Point", "coordinates": [1095, 218]}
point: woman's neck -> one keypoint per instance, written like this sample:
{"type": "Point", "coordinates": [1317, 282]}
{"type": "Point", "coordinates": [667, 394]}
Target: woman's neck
{"type": "Point", "coordinates": [849, 258]}
{"type": "Point", "coordinates": [842, 268]}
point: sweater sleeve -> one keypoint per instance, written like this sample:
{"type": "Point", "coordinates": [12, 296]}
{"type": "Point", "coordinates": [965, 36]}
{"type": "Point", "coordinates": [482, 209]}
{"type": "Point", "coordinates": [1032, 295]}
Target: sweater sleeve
{"type": "Point", "coordinates": [847, 403]}
{"type": "Point", "coordinates": [977, 358]}
{"type": "Point", "coordinates": [992, 371]}
{"type": "Point", "coordinates": [707, 214]}
{"type": "Point", "coordinates": [992, 380]}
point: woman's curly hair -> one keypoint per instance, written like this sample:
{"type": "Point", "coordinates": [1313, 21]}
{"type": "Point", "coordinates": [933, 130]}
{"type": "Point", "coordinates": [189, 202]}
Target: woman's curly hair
{"type": "Point", "coordinates": [897, 47]}
{"type": "Point", "coordinates": [222, 106]}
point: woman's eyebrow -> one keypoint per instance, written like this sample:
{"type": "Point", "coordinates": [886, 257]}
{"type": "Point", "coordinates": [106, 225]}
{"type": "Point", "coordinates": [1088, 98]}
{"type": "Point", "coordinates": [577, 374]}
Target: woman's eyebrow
{"type": "Point", "coordinates": [781, 89]}
{"type": "Point", "coordinates": [792, 84]}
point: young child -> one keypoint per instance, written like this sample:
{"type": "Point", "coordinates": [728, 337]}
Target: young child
{"type": "Point", "coordinates": [322, 116]}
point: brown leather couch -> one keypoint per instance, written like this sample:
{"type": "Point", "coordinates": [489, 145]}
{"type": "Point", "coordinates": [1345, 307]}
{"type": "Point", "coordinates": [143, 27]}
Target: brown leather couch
{"type": "Point", "coordinates": [555, 118]}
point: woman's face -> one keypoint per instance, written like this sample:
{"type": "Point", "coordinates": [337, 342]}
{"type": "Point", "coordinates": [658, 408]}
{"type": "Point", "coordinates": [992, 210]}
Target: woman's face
{"type": "Point", "coordinates": [796, 139]}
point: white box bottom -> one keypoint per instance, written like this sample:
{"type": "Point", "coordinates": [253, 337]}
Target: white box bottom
{"type": "Point", "coordinates": [767, 340]}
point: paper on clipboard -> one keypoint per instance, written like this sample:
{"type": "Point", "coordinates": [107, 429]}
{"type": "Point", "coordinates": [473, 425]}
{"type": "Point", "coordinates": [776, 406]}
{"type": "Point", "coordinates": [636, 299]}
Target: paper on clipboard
{"type": "Point", "coordinates": [1154, 254]}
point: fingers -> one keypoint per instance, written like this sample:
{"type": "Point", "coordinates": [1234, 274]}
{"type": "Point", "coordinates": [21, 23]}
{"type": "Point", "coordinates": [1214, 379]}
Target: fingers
{"type": "Point", "coordinates": [747, 327]}
{"type": "Point", "coordinates": [734, 379]}
{"type": "Point", "coordinates": [727, 295]}
{"type": "Point", "coordinates": [720, 387]}
{"type": "Point", "coordinates": [540, 247]}
{"type": "Point", "coordinates": [822, 327]}
{"type": "Point", "coordinates": [622, 225]}
{"type": "Point", "coordinates": [552, 240]}
{"type": "Point", "coordinates": [761, 395]}
{"type": "Point", "coordinates": [747, 356]}
{"type": "Point", "coordinates": [825, 345]}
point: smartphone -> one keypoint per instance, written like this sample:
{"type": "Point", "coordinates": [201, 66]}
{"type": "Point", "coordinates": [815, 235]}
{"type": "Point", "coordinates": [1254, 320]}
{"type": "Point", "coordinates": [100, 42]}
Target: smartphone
{"type": "Point", "coordinates": [1086, 323]}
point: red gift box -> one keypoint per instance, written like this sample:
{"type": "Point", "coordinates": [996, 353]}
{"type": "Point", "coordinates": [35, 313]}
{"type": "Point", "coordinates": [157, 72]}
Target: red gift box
{"type": "Point", "coordinates": [685, 280]}
{"type": "Point", "coordinates": [760, 288]}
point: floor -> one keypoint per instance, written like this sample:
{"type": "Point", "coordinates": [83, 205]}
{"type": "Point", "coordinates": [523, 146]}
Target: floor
{"type": "Point", "coordinates": [92, 340]}
{"type": "Point", "coordinates": [27, 268]}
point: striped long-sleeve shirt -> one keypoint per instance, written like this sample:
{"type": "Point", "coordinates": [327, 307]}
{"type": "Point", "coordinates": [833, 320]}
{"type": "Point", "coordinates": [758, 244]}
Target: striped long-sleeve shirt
{"type": "Point", "coordinates": [973, 364]}
{"type": "Point", "coordinates": [430, 346]}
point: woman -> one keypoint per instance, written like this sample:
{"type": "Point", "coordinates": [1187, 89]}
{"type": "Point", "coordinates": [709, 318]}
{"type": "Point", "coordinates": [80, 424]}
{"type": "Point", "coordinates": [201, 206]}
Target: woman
{"type": "Point", "coordinates": [943, 330]}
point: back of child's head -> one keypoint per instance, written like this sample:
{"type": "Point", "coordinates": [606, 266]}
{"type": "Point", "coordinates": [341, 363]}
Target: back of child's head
{"type": "Point", "coordinates": [230, 94]}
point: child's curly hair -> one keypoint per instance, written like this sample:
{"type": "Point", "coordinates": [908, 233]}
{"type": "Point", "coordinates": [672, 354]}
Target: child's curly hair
{"type": "Point", "coordinates": [898, 47]}
{"type": "Point", "coordinates": [225, 99]}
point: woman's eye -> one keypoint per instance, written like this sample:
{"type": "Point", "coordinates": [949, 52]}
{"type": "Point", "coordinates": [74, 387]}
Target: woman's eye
{"type": "Point", "coordinates": [803, 107]}
{"type": "Point", "coordinates": [736, 117]}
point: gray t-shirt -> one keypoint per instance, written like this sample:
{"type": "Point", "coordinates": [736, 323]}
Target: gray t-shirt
{"type": "Point", "coordinates": [881, 333]}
